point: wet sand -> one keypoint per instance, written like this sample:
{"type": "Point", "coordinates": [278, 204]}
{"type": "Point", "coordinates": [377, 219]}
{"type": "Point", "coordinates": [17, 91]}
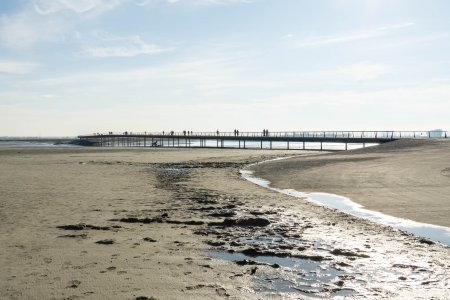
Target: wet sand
{"type": "Point", "coordinates": [181, 224]}
{"type": "Point", "coordinates": [406, 179]}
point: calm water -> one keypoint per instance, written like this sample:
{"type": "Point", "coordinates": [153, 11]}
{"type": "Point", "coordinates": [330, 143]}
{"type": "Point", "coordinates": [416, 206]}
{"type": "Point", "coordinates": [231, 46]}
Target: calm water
{"type": "Point", "coordinates": [31, 144]}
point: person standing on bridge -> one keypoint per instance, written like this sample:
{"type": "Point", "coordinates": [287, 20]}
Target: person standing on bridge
{"type": "Point", "coordinates": [217, 132]}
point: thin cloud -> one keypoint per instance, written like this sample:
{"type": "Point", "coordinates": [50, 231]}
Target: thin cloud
{"type": "Point", "coordinates": [422, 96]}
{"type": "Point", "coordinates": [23, 30]}
{"type": "Point", "coordinates": [196, 72]}
{"type": "Point", "coordinates": [346, 38]}
{"type": "Point", "coordinates": [16, 67]}
{"type": "Point", "coordinates": [45, 7]}
{"type": "Point", "coordinates": [186, 80]}
{"type": "Point", "coordinates": [45, 21]}
{"type": "Point", "coordinates": [116, 46]}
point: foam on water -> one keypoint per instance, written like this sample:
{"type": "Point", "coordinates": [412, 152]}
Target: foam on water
{"type": "Point", "coordinates": [430, 231]}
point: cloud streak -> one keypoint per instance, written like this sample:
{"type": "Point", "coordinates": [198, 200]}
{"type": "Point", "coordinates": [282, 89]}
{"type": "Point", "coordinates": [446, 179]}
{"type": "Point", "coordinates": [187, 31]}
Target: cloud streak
{"type": "Point", "coordinates": [424, 97]}
{"type": "Point", "coordinates": [352, 37]}
{"type": "Point", "coordinates": [117, 46]}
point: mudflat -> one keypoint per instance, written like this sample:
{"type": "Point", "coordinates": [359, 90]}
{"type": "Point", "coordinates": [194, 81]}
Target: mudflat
{"type": "Point", "coordinates": [408, 178]}
{"type": "Point", "coordinates": [87, 223]}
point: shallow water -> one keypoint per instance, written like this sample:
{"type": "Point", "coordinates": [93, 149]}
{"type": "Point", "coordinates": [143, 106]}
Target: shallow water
{"type": "Point", "coordinates": [433, 232]}
{"type": "Point", "coordinates": [303, 276]}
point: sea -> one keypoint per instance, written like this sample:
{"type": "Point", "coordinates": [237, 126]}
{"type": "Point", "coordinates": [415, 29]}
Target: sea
{"type": "Point", "coordinates": [33, 142]}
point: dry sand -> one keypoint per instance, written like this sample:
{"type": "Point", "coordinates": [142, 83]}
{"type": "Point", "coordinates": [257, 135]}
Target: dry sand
{"type": "Point", "coordinates": [408, 179]}
{"type": "Point", "coordinates": [159, 213]}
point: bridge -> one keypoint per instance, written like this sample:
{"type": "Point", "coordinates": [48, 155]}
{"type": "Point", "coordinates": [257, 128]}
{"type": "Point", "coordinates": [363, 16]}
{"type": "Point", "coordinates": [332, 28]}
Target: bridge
{"type": "Point", "coordinates": [294, 140]}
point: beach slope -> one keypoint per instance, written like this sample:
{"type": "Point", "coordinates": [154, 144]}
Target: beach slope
{"type": "Point", "coordinates": [407, 178]}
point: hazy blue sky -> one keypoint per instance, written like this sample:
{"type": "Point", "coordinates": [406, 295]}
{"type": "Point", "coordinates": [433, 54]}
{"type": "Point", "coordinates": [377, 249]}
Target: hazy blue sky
{"type": "Point", "coordinates": [78, 66]}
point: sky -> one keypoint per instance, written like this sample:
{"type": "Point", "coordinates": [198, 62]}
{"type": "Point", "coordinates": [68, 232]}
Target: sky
{"type": "Point", "coordinates": [70, 67]}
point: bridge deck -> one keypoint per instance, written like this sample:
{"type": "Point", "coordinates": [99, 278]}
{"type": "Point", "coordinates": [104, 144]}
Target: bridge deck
{"type": "Point", "coordinates": [218, 139]}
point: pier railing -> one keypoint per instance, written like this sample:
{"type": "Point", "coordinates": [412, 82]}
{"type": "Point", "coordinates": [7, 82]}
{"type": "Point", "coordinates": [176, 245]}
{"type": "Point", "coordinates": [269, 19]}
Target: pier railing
{"type": "Point", "coordinates": [394, 135]}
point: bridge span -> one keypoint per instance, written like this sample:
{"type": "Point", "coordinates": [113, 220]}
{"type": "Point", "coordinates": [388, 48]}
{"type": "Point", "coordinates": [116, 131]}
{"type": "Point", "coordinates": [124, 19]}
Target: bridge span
{"type": "Point", "coordinates": [295, 140]}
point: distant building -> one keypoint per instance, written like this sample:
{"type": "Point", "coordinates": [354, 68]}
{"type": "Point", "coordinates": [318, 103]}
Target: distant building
{"type": "Point", "coordinates": [437, 133]}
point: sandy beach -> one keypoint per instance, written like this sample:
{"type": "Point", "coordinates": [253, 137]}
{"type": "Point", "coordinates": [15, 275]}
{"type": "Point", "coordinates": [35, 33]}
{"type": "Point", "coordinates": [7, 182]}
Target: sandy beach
{"type": "Point", "coordinates": [90, 223]}
{"type": "Point", "coordinates": [408, 178]}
